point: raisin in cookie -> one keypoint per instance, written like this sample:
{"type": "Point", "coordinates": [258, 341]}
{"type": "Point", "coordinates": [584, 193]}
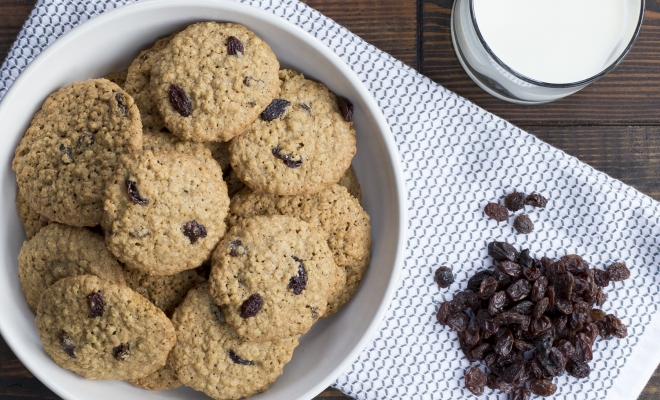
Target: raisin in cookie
{"type": "Point", "coordinates": [212, 80]}
{"type": "Point", "coordinates": [273, 277]}
{"type": "Point", "coordinates": [137, 85]}
{"type": "Point", "coordinates": [164, 212]}
{"type": "Point", "coordinates": [103, 330]}
{"type": "Point", "coordinates": [71, 149]}
{"type": "Point", "coordinates": [223, 365]}
{"type": "Point", "coordinates": [334, 211]}
{"type": "Point", "coordinates": [32, 221]}
{"type": "Point", "coordinates": [301, 144]}
{"type": "Point", "coordinates": [58, 251]}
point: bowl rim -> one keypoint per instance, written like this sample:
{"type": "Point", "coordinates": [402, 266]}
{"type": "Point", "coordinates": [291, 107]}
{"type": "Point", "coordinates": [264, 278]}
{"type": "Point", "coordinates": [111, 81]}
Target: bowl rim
{"type": "Point", "coordinates": [338, 63]}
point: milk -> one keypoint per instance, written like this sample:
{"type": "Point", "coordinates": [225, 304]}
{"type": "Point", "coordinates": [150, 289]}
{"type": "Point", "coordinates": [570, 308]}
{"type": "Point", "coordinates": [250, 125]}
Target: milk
{"type": "Point", "coordinates": [554, 41]}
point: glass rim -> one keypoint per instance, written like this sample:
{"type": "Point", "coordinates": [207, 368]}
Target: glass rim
{"type": "Point", "coordinates": [594, 78]}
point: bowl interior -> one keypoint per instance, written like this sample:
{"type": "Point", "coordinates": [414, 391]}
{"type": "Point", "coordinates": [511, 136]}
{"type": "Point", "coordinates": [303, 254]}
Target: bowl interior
{"type": "Point", "coordinates": [109, 43]}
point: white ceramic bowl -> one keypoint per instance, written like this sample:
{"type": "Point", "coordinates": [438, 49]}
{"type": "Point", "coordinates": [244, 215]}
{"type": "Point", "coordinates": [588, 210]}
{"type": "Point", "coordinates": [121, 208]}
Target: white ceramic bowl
{"type": "Point", "coordinates": [109, 42]}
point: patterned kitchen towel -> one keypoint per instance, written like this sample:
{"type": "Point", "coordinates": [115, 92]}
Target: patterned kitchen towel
{"type": "Point", "coordinates": [456, 158]}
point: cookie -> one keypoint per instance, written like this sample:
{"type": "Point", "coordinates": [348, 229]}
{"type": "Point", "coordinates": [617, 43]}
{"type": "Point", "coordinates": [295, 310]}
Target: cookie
{"type": "Point", "coordinates": [117, 77]}
{"type": "Point", "coordinates": [32, 221]}
{"type": "Point", "coordinates": [71, 149]}
{"type": "Point", "coordinates": [164, 212]}
{"type": "Point", "coordinates": [350, 182]}
{"type": "Point", "coordinates": [103, 330]}
{"type": "Point", "coordinates": [335, 211]}
{"type": "Point", "coordinates": [137, 85]}
{"type": "Point", "coordinates": [163, 379]}
{"type": "Point", "coordinates": [58, 251]}
{"type": "Point", "coordinates": [210, 357]}
{"type": "Point", "coordinates": [301, 144]}
{"type": "Point", "coordinates": [212, 80]}
{"type": "Point", "coordinates": [273, 277]}
{"type": "Point", "coordinates": [157, 142]}
{"type": "Point", "coordinates": [165, 292]}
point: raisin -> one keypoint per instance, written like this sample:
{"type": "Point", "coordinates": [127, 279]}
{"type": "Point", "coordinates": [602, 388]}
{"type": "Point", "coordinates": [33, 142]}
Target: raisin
{"type": "Point", "coordinates": [194, 231]}
{"type": "Point", "coordinates": [536, 200]}
{"type": "Point", "coordinates": [346, 108]}
{"type": "Point", "coordinates": [508, 317]}
{"type": "Point", "coordinates": [96, 304]}
{"type": "Point", "coordinates": [524, 259]}
{"type": "Point", "coordinates": [481, 351]}
{"type": "Point", "coordinates": [234, 46]}
{"type": "Point", "coordinates": [497, 303]}
{"type": "Point", "coordinates": [122, 351]}
{"type": "Point", "coordinates": [252, 306]}
{"type": "Point", "coordinates": [564, 286]}
{"type": "Point", "coordinates": [510, 268]}
{"type": "Point", "coordinates": [472, 335]}
{"type": "Point", "coordinates": [219, 315]}
{"type": "Point", "coordinates": [67, 344]}
{"type": "Point", "coordinates": [583, 350]}
{"type": "Point", "coordinates": [522, 345]}
{"type": "Point", "coordinates": [617, 272]}
{"type": "Point", "coordinates": [513, 372]}
{"type": "Point", "coordinates": [444, 277]}
{"type": "Point", "coordinates": [134, 194]}
{"type": "Point", "coordinates": [121, 103]}
{"type": "Point", "coordinates": [475, 380]}
{"type": "Point", "coordinates": [67, 154]}
{"type": "Point", "coordinates": [497, 212]}
{"type": "Point", "coordinates": [239, 360]}
{"type": "Point", "coordinates": [485, 322]}
{"type": "Point", "coordinates": [564, 306]}
{"type": "Point", "coordinates": [578, 369]}
{"type": "Point", "coordinates": [504, 343]}
{"type": "Point", "coordinates": [180, 100]}
{"type": "Point", "coordinates": [458, 322]}
{"type": "Point", "coordinates": [514, 201]}
{"type": "Point", "coordinates": [521, 394]}
{"type": "Point", "coordinates": [474, 283]}
{"type": "Point", "coordinates": [523, 224]}
{"type": "Point", "coordinates": [531, 274]}
{"type": "Point", "coordinates": [524, 307]}
{"type": "Point", "coordinates": [287, 158]}
{"type": "Point", "coordinates": [601, 277]}
{"type": "Point", "coordinates": [541, 325]}
{"type": "Point", "coordinates": [575, 264]}
{"type": "Point", "coordinates": [597, 315]}
{"type": "Point", "coordinates": [299, 282]}
{"type": "Point", "coordinates": [501, 251]}
{"type": "Point", "coordinates": [601, 297]}
{"type": "Point", "coordinates": [542, 387]}
{"type": "Point", "coordinates": [615, 327]}
{"type": "Point", "coordinates": [464, 300]}
{"type": "Point", "coordinates": [488, 288]}
{"type": "Point", "coordinates": [445, 309]}
{"type": "Point", "coordinates": [275, 109]}
{"type": "Point", "coordinates": [519, 290]}
{"type": "Point", "coordinates": [237, 248]}
{"type": "Point", "coordinates": [86, 139]}
{"type": "Point", "coordinates": [540, 307]}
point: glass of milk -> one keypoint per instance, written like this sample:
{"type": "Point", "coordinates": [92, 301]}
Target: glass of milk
{"type": "Point", "coordinates": [536, 51]}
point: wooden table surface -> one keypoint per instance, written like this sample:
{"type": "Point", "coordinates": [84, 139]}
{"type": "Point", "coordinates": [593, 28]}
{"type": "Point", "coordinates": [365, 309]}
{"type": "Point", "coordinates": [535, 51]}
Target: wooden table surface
{"type": "Point", "coordinates": [613, 125]}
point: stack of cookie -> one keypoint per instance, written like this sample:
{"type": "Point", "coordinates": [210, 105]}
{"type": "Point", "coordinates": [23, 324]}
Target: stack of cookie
{"type": "Point", "coordinates": [188, 219]}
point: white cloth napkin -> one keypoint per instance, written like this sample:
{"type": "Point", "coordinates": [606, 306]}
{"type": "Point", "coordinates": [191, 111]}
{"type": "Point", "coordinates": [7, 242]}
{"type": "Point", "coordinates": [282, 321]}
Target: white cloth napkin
{"type": "Point", "coordinates": [456, 158]}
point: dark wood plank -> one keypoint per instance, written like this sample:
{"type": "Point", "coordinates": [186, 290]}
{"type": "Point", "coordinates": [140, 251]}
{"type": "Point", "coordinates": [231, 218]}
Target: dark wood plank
{"type": "Point", "coordinates": [390, 25]}
{"type": "Point", "coordinates": [629, 95]}
{"type": "Point", "coordinates": [13, 14]}
{"type": "Point", "coordinates": [630, 154]}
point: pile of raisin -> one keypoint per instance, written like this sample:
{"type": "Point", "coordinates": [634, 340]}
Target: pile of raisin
{"type": "Point", "coordinates": [530, 320]}
{"type": "Point", "coordinates": [514, 202]}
